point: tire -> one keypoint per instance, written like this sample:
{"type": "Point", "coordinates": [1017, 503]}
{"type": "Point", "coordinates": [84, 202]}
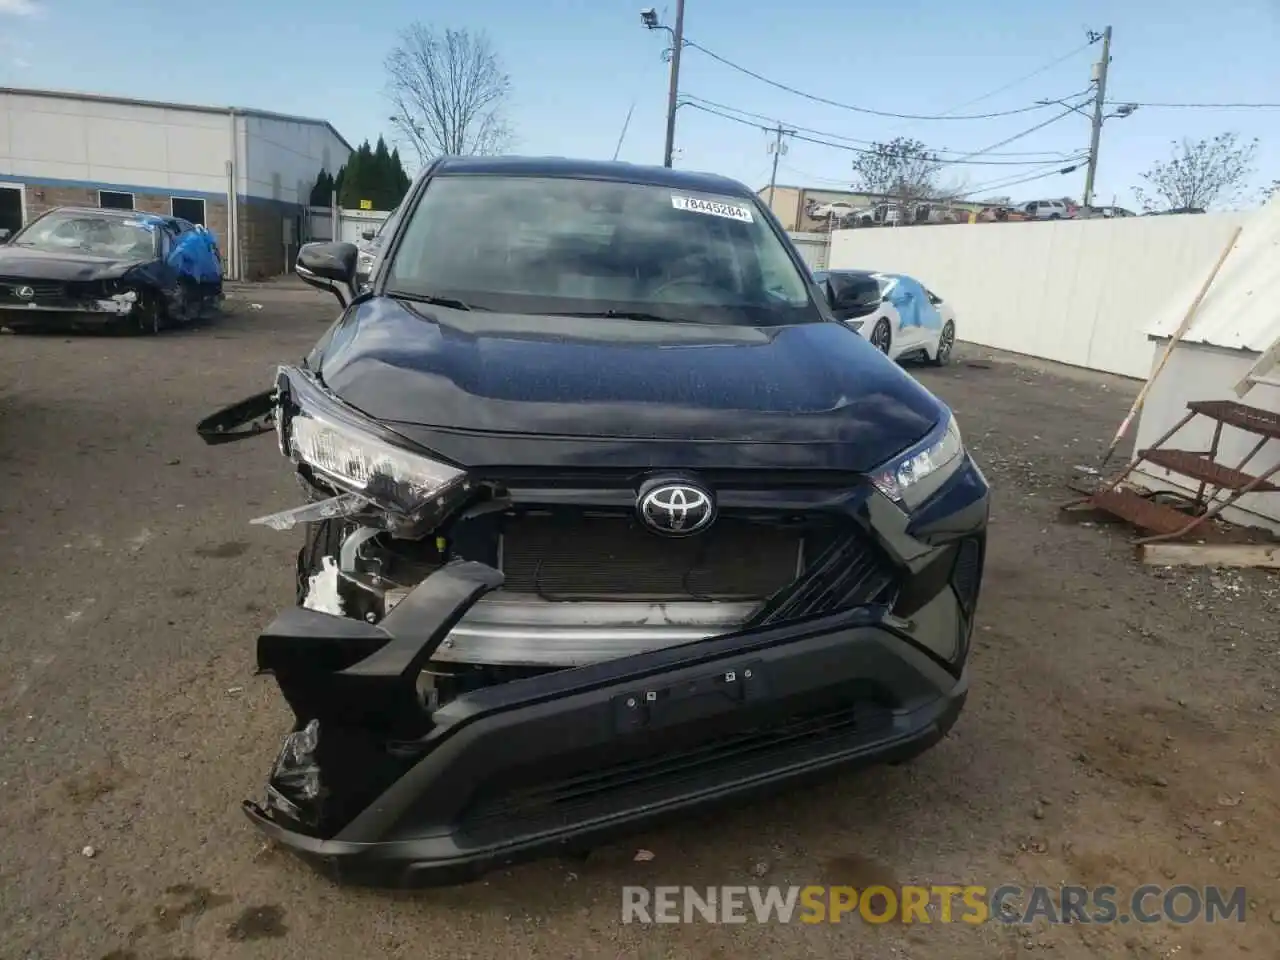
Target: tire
{"type": "Point", "coordinates": [946, 342]}
{"type": "Point", "coordinates": [1055, 216]}
{"type": "Point", "coordinates": [323, 539]}
{"type": "Point", "coordinates": [882, 336]}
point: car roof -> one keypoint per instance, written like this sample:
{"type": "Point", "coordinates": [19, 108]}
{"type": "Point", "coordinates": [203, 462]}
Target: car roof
{"type": "Point", "coordinates": [591, 170]}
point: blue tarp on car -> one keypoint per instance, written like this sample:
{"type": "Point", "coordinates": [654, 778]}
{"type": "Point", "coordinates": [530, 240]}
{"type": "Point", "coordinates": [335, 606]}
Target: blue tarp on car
{"type": "Point", "coordinates": [912, 302]}
{"type": "Point", "coordinates": [195, 255]}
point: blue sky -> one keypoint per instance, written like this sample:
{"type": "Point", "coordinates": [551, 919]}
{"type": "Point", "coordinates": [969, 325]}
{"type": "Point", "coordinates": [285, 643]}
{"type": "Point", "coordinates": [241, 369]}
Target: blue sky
{"type": "Point", "coordinates": [576, 68]}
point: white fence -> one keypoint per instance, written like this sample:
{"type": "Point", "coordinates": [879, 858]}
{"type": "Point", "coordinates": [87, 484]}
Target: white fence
{"type": "Point", "coordinates": [351, 223]}
{"type": "Point", "coordinates": [1080, 292]}
{"type": "Point", "coordinates": [813, 248]}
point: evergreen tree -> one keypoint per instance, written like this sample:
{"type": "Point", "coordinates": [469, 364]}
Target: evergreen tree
{"type": "Point", "coordinates": [383, 190]}
{"type": "Point", "coordinates": [323, 189]}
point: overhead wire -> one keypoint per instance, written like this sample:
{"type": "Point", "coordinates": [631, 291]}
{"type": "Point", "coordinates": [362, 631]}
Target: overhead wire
{"type": "Point", "coordinates": [1013, 182]}
{"type": "Point", "coordinates": [1016, 136]}
{"type": "Point", "coordinates": [1026, 76]}
{"type": "Point", "coordinates": [841, 137]}
{"type": "Point", "coordinates": [848, 106]}
{"type": "Point", "coordinates": [1196, 106]}
{"type": "Point", "coordinates": [963, 161]}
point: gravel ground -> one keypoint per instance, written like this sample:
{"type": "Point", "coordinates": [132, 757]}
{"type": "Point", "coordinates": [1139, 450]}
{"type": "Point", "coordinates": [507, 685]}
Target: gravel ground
{"type": "Point", "coordinates": [1120, 728]}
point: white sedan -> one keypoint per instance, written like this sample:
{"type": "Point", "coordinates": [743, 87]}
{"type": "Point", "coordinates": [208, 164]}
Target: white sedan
{"type": "Point", "coordinates": [896, 313]}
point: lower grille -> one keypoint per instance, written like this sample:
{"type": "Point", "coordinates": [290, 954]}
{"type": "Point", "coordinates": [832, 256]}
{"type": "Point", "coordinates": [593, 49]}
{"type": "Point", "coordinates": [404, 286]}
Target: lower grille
{"type": "Point", "coordinates": [647, 779]}
{"type": "Point", "coordinates": [577, 558]}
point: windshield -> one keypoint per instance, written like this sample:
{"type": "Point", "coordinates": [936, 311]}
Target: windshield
{"type": "Point", "coordinates": [99, 236]}
{"type": "Point", "coordinates": [555, 245]}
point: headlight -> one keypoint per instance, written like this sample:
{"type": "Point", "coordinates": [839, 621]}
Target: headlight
{"type": "Point", "coordinates": [912, 478]}
{"type": "Point", "coordinates": [358, 455]}
{"type": "Point", "coordinates": [855, 324]}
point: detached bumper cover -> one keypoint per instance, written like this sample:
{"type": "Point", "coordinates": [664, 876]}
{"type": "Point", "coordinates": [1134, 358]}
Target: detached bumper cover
{"type": "Point", "coordinates": [567, 759]}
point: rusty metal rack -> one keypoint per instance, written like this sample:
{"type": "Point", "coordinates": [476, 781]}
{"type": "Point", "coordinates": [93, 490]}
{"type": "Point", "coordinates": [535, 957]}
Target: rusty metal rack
{"type": "Point", "coordinates": [1163, 522]}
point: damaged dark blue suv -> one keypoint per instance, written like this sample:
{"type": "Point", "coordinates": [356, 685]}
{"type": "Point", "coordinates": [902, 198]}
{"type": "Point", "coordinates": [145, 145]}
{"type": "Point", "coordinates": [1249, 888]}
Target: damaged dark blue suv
{"type": "Point", "coordinates": [608, 519]}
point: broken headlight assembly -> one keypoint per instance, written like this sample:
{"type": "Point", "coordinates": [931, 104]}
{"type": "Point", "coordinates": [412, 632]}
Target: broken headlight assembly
{"type": "Point", "coordinates": [370, 468]}
{"type": "Point", "coordinates": [913, 477]}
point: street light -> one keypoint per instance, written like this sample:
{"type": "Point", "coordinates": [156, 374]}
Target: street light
{"type": "Point", "coordinates": [649, 17]}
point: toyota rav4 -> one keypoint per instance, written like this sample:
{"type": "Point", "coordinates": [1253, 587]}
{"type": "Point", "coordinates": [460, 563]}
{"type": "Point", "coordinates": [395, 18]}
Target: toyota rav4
{"type": "Point", "coordinates": [607, 519]}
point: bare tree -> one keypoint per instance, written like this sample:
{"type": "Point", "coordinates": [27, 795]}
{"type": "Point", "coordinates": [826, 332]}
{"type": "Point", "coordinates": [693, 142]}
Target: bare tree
{"type": "Point", "coordinates": [902, 168]}
{"type": "Point", "coordinates": [449, 92]}
{"type": "Point", "coordinates": [1199, 174]}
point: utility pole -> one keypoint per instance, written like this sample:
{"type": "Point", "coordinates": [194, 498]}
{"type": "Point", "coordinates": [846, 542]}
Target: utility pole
{"type": "Point", "coordinates": [777, 148]}
{"type": "Point", "coordinates": [677, 41]}
{"type": "Point", "coordinates": [1099, 103]}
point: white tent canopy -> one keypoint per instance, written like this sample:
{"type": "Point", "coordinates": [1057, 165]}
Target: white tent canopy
{"type": "Point", "coordinates": [1241, 310]}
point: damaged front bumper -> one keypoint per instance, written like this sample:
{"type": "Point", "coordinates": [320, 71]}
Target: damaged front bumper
{"type": "Point", "coordinates": [375, 787]}
{"type": "Point", "coordinates": [103, 311]}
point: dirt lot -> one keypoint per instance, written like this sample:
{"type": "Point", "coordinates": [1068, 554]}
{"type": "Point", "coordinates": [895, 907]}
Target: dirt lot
{"type": "Point", "coordinates": [1120, 730]}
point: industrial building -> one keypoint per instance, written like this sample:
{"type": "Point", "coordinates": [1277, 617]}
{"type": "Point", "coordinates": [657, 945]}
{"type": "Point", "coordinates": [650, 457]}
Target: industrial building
{"type": "Point", "coordinates": [245, 174]}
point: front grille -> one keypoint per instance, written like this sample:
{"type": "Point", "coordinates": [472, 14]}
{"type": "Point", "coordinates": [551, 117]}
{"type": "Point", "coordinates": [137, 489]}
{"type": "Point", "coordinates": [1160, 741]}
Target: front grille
{"type": "Point", "coordinates": [44, 291]}
{"type": "Point", "coordinates": [585, 558]}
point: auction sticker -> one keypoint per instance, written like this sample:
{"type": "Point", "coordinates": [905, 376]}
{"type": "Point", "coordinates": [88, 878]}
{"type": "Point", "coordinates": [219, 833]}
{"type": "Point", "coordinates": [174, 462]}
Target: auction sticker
{"type": "Point", "coordinates": [712, 208]}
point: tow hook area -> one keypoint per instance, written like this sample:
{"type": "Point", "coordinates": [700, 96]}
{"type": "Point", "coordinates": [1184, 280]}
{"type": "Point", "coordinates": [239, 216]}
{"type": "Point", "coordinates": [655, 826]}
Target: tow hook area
{"type": "Point", "coordinates": [359, 721]}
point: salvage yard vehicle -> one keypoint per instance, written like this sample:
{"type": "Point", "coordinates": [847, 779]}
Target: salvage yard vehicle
{"type": "Point", "coordinates": [86, 267]}
{"type": "Point", "coordinates": [896, 313]}
{"type": "Point", "coordinates": [609, 519]}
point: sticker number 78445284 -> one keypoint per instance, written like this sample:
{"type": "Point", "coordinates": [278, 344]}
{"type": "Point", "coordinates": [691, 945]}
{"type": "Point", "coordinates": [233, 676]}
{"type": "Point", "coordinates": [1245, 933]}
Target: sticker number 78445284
{"type": "Point", "coordinates": [714, 208]}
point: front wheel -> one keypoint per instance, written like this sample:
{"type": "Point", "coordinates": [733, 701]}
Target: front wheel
{"type": "Point", "coordinates": [882, 337]}
{"type": "Point", "coordinates": [946, 342]}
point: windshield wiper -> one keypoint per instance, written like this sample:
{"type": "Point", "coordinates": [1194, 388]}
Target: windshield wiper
{"type": "Point", "coordinates": [449, 302]}
{"type": "Point", "coordinates": [623, 315]}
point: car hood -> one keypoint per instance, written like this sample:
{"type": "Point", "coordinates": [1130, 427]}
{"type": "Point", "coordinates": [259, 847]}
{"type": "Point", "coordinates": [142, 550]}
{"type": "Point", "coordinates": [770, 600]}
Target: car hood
{"type": "Point", "coordinates": [810, 395]}
{"type": "Point", "coordinates": [29, 263]}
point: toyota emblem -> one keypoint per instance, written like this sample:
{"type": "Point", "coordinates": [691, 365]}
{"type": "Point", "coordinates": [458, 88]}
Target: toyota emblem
{"type": "Point", "coordinates": [24, 293]}
{"type": "Point", "coordinates": [676, 508]}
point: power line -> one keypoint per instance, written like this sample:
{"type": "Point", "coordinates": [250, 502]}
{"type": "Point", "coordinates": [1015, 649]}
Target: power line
{"type": "Point", "coordinates": [1197, 106]}
{"type": "Point", "coordinates": [836, 136]}
{"type": "Point", "coordinates": [963, 161]}
{"type": "Point", "coordinates": [1000, 184]}
{"type": "Point", "coordinates": [846, 106]}
{"type": "Point", "coordinates": [1027, 76]}
{"type": "Point", "coordinates": [1016, 136]}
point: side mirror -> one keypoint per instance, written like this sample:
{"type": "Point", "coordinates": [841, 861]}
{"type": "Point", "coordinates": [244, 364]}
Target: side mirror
{"type": "Point", "coordinates": [5, 235]}
{"type": "Point", "coordinates": [367, 235]}
{"type": "Point", "coordinates": [330, 266]}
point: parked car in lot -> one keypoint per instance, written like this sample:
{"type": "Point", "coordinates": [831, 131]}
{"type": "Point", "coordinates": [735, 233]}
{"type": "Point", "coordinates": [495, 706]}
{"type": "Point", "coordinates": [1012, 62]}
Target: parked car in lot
{"type": "Point", "coordinates": [610, 518]}
{"type": "Point", "coordinates": [1049, 210]}
{"type": "Point", "coordinates": [370, 247]}
{"type": "Point", "coordinates": [1104, 213]}
{"type": "Point", "coordinates": [900, 318]}
{"type": "Point", "coordinates": [837, 211]}
{"type": "Point", "coordinates": [85, 267]}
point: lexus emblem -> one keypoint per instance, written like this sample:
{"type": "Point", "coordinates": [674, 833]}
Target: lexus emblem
{"type": "Point", "coordinates": [677, 508]}
{"type": "Point", "coordinates": [24, 293]}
